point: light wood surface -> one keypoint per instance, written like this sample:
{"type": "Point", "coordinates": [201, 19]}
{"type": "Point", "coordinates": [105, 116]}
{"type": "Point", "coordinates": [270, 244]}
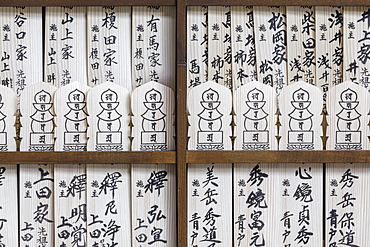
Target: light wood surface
{"type": "Point", "coordinates": [153, 31]}
{"type": "Point", "coordinates": [243, 45]}
{"type": "Point", "coordinates": [255, 106]}
{"type": "Point", "coordinates": [70, 181]}
{"type": "Point", "coordinates": [108, 45]}
{"type": "Point", "coordinates": [197, 45]}
{"type": "Point", "coordinates": [219, 45]}
{"type": "Point", "coordinates": [301, 54]}
{"type": "Point", "coordinates": [65, 45]}
{"type": "Point", "coordinates": [8, 173]}
{"type": "Point", "coordinates": [209, 206]}
{"type": "Point", "coordinates": [181, 154]}
{"type": "Point", "coordinates": [153, 186]}
{"type": "Point", "coordinates": [270, 22]}
{"type": "Point", "coordinates": [329, 47]}
{"type": "Point", "coordinates": [36, 182]}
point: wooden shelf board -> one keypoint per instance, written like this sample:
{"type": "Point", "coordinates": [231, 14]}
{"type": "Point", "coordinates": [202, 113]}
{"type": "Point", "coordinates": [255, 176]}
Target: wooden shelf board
{"type": "Point", "coordinates": [278, 156]}
{"type": "Point", "coordinates": [88, 3]}
{"type": "Point", "coordinates": [167, 157]}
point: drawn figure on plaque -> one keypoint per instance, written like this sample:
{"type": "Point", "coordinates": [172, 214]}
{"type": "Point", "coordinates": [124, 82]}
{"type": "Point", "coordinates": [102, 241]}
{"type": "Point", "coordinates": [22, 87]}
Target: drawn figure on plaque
{"type": "Point", "coordinates": [300, 134]}
{"type": "Point", "coordinates": [109, 135]}
{"type": "Point", "coordinates": [153, 135]}
{"type": "Point", "coordinates": [210, 135]}
{"type": "Point", "coordinates": [3, 134]}
{"type": "Point", "coordinates": [255, 134]}
{"type": "Point", "coordinates": [75, 124]}
{"type": "Point", "coordinates": [42, 123]}
{"type": "Point", "coordinates": [348, 134]}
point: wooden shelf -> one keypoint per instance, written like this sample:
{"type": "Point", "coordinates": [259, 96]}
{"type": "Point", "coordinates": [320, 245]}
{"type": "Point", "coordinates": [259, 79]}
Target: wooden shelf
{"type": "Point", "coordinates": [278, 156]}
{"type": "Point", "coordinates": [87, 3]}
{"type": "Point", "coordinates": [167, 157]}
{"type": "Point", "coordinates": [182, 157]}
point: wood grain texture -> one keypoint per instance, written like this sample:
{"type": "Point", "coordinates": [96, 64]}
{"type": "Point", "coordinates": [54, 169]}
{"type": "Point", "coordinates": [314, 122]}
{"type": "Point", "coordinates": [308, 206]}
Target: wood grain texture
{"type": "Point", "coordinates": [181, 125]}
{"type": "Point", "coordinates": [278, 156]}
{"type": "Point", "coordinates": [329, 48]}
{"type": "Point", "coordinates": [348, 117]}
{"type": "Point", "coordinates": [153, 186]}
{"type": "Point", "coordinates": [8, 216]}
{"type": "Point", "coordinates": [219, 45]}
{"type": "Point", "coordinates": [169, 157]}
{"type": "Point", "coordinates": [356, 43]}
{"type": "Point", "coordinates": [109, 45]}
{"type": "Point", "coordinates": [70, 180]}
{"type": "Point", "coordinates": [301, 44]}
{"type": "Point", "coordinates": [347, 197]}
{"type": "Point", "coordinates": [209, 106]}
{"type": "Point", "coordinates": [153, 46]}
{"type": "Point", "coordinates": [108, 106]}
{"type": "Point", "coordinates": [242, 46]}
{"type": "Point", "coordinates": [88, 157]}
{"type": "Point", "coordinates": [254, 106]}
{"type": "Point", "coordinates": [300, 105]}
{"type": "Point", "coordinates": [36, 106]}
{"type": "Point", "coordinates": [348, 107]}
{"type": "Point", "coordinates": [65, 45]}
{"type": "Point", "coordinates": [197, 45]}
{"type": "Point", "coordinates": [270, 22]}
{"type": "Point", "coordinates": [8, 173]}
{"type": "Point", "coordinates": [21, 46]}
{"type": "Point", "coordinates": [37, 132]}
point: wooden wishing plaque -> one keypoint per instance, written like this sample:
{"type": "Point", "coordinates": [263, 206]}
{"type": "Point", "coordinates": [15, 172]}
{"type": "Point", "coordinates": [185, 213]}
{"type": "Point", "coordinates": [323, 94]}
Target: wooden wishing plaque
{"type": "Point", "coordinates": [108, 187]}
{"type": "Point", "coordinates": [108, 107]}
{"type": "Point", "coordinates": [348, 117]}
{"type": "Point", "coordinates": [71, 117]}
{"type": "Point", "coordinates": [36, 181]}
{"type": "Point", "coordinates": [329, 47]}
{"type": "Point", "coordinates": [302, 44]}
{"type": "Point", "coordinates": [255, 106]}
{"type": "Point", "coordinates": [242, 45]}
{"type": "Point", "coordinates": [20, 46]}
{"type": "Point", "coordinates": [37, 109]}
{"type": "Point", "coordinates": [8, 173]}
{"type": "Point", "coordinates": [153, 107]}
{"type": "Point", "coordinates": [300, 107]}
{"type": "Point", "coordinates": [153, 49]}
{"type": "Point", "coordinates": [70, 181]}
{"type": "Point", "coordinates": [108, 44]}
{"type": "Point", "coordinates": [299, 195]}
{"type": "Point", "coordinates": [109, 48]}
{"type": "Point", "coordinates": [65, 45]}
{"type": "Point", "coordinates": [219, 45]}
{"type": "Point", "coordinates": [197, 45]}
{"type": "Point", "coordinates": [209, 190]}
{"type": "Point", "coordinates": [270, 23]}
{"type": "Point", "coordinates": [209, 107]}
{"type": "Point", "coordinates": [153, 189]}
{"type": "Point", "coordinates": [356, 43]}
{"type": "Point", "coordinates": [347, 183]}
